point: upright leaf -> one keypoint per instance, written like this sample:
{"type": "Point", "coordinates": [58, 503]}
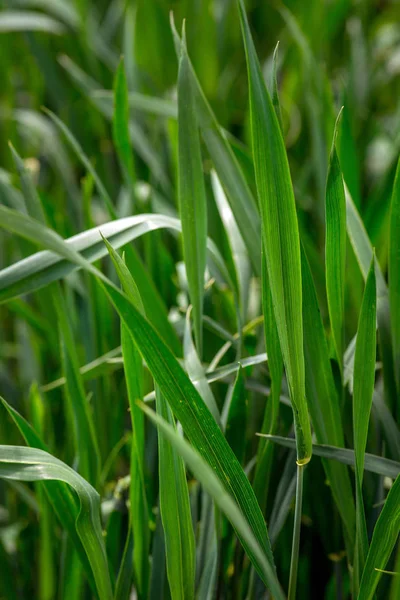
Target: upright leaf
{"type": "Point", "coordinates": [192, 196]}
{"type": "Point", "coordinates": [47, 572]}
{"type": "Point", "coordinates": [239, 195]}
{"type": "Point", "coordinates": [237, 417]}
{"type": "Point", "coordinates": [121, 125]}
{"type": "Point", "coordinates": [86, 442]}
{"type": "Point", "coordinates": [195, 370]}
{"type": "Point", "coordinates": [33, 203]}
{"type": "Point", "coordinates": [364, 378]}
{"type": "Point", "coordinates": [335, 247]}
{"type": "Point", "coordinates": [75, 145]}
{"type": "Point", "coordinates": [280, 236]}
{"type": "Point", "coordinates": [363, 250]}
{"type": "Point", "coordinates": [323, 402]}
{"type": "Point", "coordinates": [394, 274]}
{"type": "Point", "coordinates": [134, 375]}
{"type": "Point", "coordinates": [175, 512]}
{"type": "Point", "coordinates": [275, 366]}
{"type": "Point", "coordinates": [386, 533]}
{"type": "Point", "coordinates": [274, 88]}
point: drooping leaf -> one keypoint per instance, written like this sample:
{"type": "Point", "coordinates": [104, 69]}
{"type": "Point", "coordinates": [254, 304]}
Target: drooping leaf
{"type": "Point", "coordinates": [32, 464]}
{"type": "Point", "coordinates": [24, 20]}
{"type": "Point", "coordinates": [45, 267]}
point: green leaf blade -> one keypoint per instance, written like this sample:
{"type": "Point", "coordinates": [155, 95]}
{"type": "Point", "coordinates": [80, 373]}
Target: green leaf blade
{"type": "Point", "coordinates": [386, 533]}
{"type": "Point", "coordinates": [121, 125]}
{"type": "Point", "coordinates": [175, 513]}
{"type": "Point", "coordinates": [280, 236]}
{"type": "Point", "coordinates": [192, 196]}
{"type": "Point", "coordinates": [217, 490]}
{"type": "Point", "coordinates": [335, 249]}
{"type": "Point", "coordinates": [394, 274]}
{"type": "Point", "coordinates": [364, 378]}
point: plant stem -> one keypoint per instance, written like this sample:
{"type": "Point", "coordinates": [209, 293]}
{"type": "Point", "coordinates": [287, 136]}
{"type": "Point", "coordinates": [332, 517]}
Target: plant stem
{"type": "Point", "coordinates": [296, 534]}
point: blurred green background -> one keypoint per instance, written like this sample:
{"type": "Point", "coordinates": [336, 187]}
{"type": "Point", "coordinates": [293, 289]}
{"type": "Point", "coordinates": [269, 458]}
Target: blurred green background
{"type": "Point", "coordinates": [331, 53]}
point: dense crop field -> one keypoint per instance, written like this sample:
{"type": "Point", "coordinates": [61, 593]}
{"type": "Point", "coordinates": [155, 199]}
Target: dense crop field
{"type": "Point", "coordinates": [199, 299]}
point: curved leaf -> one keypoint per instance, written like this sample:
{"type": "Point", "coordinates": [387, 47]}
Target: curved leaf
{"type": "Point", "coordinates": [31, 464]}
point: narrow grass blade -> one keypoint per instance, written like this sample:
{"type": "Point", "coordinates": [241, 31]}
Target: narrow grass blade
{"type": "Point", "coordinates": [237, 417]}
{"type": "Point", "coordinates": [348, 154]}
{"type": "Point", "coordinates": [47, 572]}
{"type": "Point", "coordinates": [386, 533]}
{"type": "Point", "coordinates": [363, 250]}
{"type": "Point", "coordinates": [285, 494]}
{"type": "Point", "coordinates": [87, 446]}
{"type": "Point", "coordinates": [394, 274]}
{"type": "Point", "coordinates": [323, 401]}
{"type": "Point", "coordinates": [237, 247]}
{"type": "Point", "coordinates": [274, 88]}
{"type": "Point", "coordinates": [175, 512]}
{"type": "Point", "coordinates": [121, 125]}
{"type": "Point", "coordinates": [207, 477]}
{"type": "Point", "coordinates": [280, 236]}
{"type": "Point", "coordinates": [139, 140]}
{"type": "Point", "coordinates": [192, 195]}
{"type": "Point", "coordinates": [239, 195]}
{"type": "Point", "coordinates": [186, 403]}
{"type": "Point", "coordinates": [335, 247]}
{"type": "Point", "coordinates": [123, 585]}
{"type": "Point", "coordinates": [31, 464]}
{"type": "Point", "coordinates": [275, 366]}
{"type": "Point", "coordinates": [375, 464]}
{"type": "Point", "coordinates": [33, 203]}
{"type": "Point", "coordinates": [77, 148]}
{"type": "Point", "coordinates": [156, 310]}
{"type": "Point", "coordinates": [195, 370]}
{"type": "Point", "coordinates": [134, 376]}
{"type": "Point", "coordinates": [364, 378]}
